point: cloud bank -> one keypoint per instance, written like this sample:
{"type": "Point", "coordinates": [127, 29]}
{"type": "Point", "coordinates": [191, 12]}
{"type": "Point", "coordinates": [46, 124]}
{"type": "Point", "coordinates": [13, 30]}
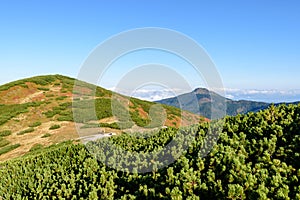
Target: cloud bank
{"type": "Point", "coordinates": [270, 96]}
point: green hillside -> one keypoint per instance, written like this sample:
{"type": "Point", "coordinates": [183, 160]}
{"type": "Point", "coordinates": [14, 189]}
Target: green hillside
{"type": "Point", "coordinates": [43, 110]}
{"type": "Point", "coordinates": [256, 157]}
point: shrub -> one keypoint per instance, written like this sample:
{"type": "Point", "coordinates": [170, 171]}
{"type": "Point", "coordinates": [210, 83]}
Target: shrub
{"type": "Point", "coordinates": [53, 127]}
{"type": "Point", "coordinates": [138, 120]}
{"type": "Point", "coordinates": [114, 125]}
{"type": "Point", "coordinates": [60, 98]}
{"type": "Point", "coordinates": [12, 84]}
{"type": "Point", "coordinates": [5, 133]}
{"type": "Point", "coordinates": [43, 89]}
{"type": "Point", "coordinates": [68, 118]}
{"type": "Point", "coordinates": [35, 124]}
{"type": "Point", "coordinates": [29, 130]}
{"type": "Point", "coordinates": [9, 148]}
{"type": "Point", "coordinates": [59, 109]}
{"type": "Point", "coordinates": [36, 147]}
{"type": "Point", "coordinates": [64, 91]}
{"type": "Point", "coordinates": [119, 125]}
{"type": "Point", "coordinates": [49, 95]}
{"type": "Point", "coordinates": [42, 80]}
{"type": "Point", "coordinates": [3, 142]}
{"type": "Point", "coordinates": [76, 99]}
{"type": "Point", "coordinates": [51, 113]}
{"type": "Point", "coordinates": [46, 135]}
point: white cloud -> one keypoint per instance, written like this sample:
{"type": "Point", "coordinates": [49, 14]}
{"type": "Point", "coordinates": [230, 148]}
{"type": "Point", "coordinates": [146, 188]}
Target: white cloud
{"type": "Point", "coordinates": [231, 93]}
{"type": "Point", "coordinates": [263, 95]}
{"type": "Point", "coordinates": [150, 94]}
{"type": "Point", "coordinates": [229, 96]}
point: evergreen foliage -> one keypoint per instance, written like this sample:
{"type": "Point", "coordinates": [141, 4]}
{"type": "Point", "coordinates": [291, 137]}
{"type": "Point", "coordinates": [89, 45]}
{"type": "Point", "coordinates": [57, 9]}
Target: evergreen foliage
{"type": "Point", "coordinates": [256, 157]}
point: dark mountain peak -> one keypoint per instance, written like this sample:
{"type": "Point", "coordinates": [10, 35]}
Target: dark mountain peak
{"type": "Point", "coordinates": [201, 91]}
{"type": "Point", "coordinates": [205, 98]}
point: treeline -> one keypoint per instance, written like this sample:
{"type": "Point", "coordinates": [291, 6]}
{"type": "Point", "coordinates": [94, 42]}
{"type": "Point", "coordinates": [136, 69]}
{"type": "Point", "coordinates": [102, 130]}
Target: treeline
{"type": "Point", "coordinates": [256, 157]}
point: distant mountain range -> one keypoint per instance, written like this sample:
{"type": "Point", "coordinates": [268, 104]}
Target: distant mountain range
{"type": "Point", "coordinates": [204, 102]}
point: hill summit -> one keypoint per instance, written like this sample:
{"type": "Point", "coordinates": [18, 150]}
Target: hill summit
{"type": "Point", "coordinates": [42, 110]}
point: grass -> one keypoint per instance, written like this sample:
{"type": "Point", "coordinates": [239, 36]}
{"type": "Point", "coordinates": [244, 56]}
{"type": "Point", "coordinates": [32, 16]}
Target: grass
{"type": "Point", "coordinates": [83, 110]}
{"type": "Point", "coordinates": [5, 133]}
{"type": "Point", "coordinates": [55, 126]}
{"type": "Point", "coordinates": [7, 112]}
{"type": "Point", "coordinates": [8, 148]}
{"type": "Point", "coordinates": [29, 130]}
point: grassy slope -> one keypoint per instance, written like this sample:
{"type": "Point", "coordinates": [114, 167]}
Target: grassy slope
{"type": "Point", "coordinates": [31, 107]}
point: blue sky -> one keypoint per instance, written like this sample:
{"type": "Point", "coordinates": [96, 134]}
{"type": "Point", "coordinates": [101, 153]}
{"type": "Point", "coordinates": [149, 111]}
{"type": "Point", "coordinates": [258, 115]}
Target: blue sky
{"type": "Point", "coordinates": [254, 44]}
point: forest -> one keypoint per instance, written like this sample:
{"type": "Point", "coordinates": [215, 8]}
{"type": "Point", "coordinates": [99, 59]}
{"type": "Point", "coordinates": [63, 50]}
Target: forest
{"type": "Point", "coordinates": [256, 156]}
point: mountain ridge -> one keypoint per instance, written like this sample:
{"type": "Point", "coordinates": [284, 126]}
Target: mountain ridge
{"type": "Point", "coordinates": [43, 110]}
{"type": "Point", "coordinates": [199, 101]}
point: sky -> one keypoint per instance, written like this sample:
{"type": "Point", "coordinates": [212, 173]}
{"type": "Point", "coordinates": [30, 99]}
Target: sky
{"type": "Point", "coordinates": [255, 45]}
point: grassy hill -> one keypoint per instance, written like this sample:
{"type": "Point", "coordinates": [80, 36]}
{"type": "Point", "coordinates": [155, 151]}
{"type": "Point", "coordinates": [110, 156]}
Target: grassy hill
{"type": "Point", "coordinates": [38, 111]}
{"type": "Point", "coordinates": [256, 157]}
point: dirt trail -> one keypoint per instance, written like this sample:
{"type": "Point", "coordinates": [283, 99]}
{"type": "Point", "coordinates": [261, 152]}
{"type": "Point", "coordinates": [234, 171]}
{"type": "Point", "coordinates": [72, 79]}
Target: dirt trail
{"type": "Point", "coordinates": [29, 98]}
